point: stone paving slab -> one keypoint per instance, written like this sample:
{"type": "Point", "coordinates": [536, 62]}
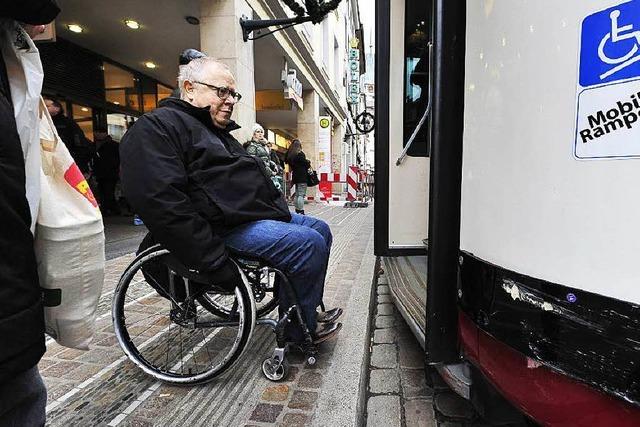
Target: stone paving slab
{"type": "Point", "coordinates": [383, 411]}
{"type": "Point", "coordinates": [400, 383]}
{"type": "Point", "coordinates": [398, 394]}
{"type": "Point", "coordinates": [101, 387]}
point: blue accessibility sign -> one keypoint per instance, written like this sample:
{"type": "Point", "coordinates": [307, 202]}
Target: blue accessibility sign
{"type": "Point", "coordinates": [610, 46]}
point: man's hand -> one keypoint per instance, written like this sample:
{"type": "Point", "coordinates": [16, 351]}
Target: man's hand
{"type": "Point", "coordinates": [33, 30]}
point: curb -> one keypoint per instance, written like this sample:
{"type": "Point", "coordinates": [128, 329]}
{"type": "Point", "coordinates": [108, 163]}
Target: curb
{"type": "Point", "coordinates": [344, 403]}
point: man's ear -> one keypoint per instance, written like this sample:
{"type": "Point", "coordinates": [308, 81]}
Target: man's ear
{"type": "Point", "coordinates": [188, 90]}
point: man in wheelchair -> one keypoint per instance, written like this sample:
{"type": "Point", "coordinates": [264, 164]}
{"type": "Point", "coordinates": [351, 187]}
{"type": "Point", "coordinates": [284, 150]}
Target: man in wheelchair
{"type": "Point", "coordinates": [201, 195]}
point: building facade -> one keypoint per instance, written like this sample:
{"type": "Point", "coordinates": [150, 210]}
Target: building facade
{"type": "Point", "coordinates": [113, 61]}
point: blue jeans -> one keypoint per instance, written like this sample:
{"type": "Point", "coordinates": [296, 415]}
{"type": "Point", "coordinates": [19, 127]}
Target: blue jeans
{"type": "Point", "coordinates": [23, 400]}
{"type": "Point", "coordinates": [300, 249]}
{"type": "Point", "coordinates": [301, 192]}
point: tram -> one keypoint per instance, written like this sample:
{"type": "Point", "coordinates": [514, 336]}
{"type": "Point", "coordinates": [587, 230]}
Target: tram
{"type": "Point", "coordinates": [507, 209]}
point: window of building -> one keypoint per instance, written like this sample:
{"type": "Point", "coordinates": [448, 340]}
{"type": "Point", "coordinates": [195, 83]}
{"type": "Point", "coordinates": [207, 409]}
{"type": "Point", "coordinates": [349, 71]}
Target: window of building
{"type": "Point", "coordinates": [149, 97]}
{"type": "Point", "coordinates": [83, 115]}
{"type": "Point", "coordinates": [326, 43]}
{"type": "Point", "coordinates": [163, 92]}
{"type": "Point", "coordinates": [118, 124]}
{"type": "Point", "coordinates": [271, 136]}
{"type": "Point", "coordinates": [121, 87]}
{"type": "Point", "coordinates": [418, 34]}
{"type": "Point", "coordinates": [337, 78]}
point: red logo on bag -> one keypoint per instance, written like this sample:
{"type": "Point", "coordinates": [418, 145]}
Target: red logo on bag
{"type": "Point", "coordinates": [75, 178]}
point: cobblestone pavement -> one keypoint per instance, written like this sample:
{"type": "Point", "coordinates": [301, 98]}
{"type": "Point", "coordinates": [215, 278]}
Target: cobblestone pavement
{"type": "Point", "coordinates": [121, 236]}
{"type": "Point", "coordinates": [102, 387]}
{"type": "Point", "coordinates": [400, 392]}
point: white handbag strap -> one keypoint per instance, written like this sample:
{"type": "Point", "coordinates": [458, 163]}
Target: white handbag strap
{"type": "Point", "coordinates": [44, 112]}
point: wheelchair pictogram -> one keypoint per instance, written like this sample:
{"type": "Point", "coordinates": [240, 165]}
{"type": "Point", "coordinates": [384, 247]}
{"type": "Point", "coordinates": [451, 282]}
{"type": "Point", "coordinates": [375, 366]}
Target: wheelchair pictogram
{"type": "Point", "coordinates": [611, 46]}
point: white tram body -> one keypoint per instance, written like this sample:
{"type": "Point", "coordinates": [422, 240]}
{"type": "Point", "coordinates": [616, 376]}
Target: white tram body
{"type": "Point", "coordinates": [529, 204]}
{"type": "Point", "coordinates": [511, 238]}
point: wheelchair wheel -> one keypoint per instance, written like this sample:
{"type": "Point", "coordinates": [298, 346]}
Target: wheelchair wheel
{"type": "Point", "coordinates": [176, 339]}
{"type": "Point", "coordinates": [263, 283]}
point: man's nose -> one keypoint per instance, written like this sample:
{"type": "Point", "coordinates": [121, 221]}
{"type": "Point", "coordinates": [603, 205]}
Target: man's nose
{"type": "Point", "coordinates": [230, 100]}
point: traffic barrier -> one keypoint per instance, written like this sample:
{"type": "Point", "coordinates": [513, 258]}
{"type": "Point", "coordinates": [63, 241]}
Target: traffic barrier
{"type": "Point", "coordinates": [352, 178]}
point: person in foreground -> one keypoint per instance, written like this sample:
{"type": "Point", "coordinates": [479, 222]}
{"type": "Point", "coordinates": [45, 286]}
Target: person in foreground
{"type": "Point", "coordinates": [23, 395]}
{"type": "Point", "coordinates": [201, 195]}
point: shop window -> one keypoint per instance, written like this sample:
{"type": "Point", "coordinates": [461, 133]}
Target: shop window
{"type": "Point", "coordinates": [118, 124]}
{"type": "Point", "coordinates": [418, 34]}
{"type": "Point", "coordinates": [281, 143]}
{"type": "Point", "coordinates": [163, 92]}
{"type": "Point", "coordinates": [121, 87]}
{"type": "Point", "coordinates": [83, 115]}
{"type": "Point", "coordinates": [149, 97]}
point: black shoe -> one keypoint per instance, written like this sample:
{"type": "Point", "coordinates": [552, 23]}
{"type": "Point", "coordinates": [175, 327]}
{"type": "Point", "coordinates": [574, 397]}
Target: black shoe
{"type": "Point", "coordinates": [325, 332]}
{"type": "Point", "coordinates": [301, 212]}
{"type": "Point", "coordinates": [329, 316]}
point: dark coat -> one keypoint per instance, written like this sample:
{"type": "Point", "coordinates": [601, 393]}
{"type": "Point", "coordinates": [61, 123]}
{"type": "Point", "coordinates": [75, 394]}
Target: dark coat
{"type": "Point", "coordinates": [107, 161]}
{"type": "Point", "coordinates": [190, 181]}
{"type": "Point", "coordinates": [21, 312]}
{"type": "Point", "coordinates": [299, 167]}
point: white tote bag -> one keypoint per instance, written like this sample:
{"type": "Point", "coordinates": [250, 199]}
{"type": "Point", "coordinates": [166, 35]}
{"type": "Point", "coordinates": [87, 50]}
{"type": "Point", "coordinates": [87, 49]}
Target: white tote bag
{"type": "Point", "coordinates": [69, 243]}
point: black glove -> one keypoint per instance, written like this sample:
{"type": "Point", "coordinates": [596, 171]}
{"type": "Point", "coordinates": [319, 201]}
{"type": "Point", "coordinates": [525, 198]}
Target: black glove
{"type": "Point", "coordinates": [227, 276]}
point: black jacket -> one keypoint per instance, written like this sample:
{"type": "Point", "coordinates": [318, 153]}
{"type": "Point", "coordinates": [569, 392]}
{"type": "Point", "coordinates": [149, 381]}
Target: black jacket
{"type": "Point", "coordinates": [107, 161]}
{"type": "Point", "coordinates": [299, 167]}
{"type": "Point", "coordinates": [190, 181]}
{"type": "Point", "coordinates": [21, 313]}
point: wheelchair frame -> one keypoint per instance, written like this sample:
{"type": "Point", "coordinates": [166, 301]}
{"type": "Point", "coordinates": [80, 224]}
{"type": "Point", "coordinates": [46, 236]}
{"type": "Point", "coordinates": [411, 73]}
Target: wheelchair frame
{"type": "Point", "coordinates": [184, 314]}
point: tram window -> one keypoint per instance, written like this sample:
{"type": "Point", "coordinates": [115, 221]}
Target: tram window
{"type": "Point", "coordinates": [418, 34]}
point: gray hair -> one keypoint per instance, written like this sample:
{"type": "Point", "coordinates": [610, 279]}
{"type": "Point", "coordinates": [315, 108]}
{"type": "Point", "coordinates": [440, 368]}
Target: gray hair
{"type": "Point", "coordinates": [257, 127]}
{"type": "Point", "coordinates": [195, 71]}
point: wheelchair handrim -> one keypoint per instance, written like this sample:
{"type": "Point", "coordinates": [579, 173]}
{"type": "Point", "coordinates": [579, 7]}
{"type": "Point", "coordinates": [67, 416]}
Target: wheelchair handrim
{"type": "Point", "coordinates": [133, 352]}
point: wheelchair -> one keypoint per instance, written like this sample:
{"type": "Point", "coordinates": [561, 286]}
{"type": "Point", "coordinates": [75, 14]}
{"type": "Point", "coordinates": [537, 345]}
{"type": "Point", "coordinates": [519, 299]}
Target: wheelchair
{"type": "Point", "coordinates": [178, 328]}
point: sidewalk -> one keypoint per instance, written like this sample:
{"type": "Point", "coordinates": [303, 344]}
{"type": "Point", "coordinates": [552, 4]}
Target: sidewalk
{"type": "Point", "coordinates": [101, 386]}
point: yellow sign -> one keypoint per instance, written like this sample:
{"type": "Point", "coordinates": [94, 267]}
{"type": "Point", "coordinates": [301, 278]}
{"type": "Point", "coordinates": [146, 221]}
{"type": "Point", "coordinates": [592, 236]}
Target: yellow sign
{"type": "Point", "coordinates": [354, 42]}
{"type": "Point", "coordinates": [324, 123]}
{"type": "Point", "coordinates": [271, 100]}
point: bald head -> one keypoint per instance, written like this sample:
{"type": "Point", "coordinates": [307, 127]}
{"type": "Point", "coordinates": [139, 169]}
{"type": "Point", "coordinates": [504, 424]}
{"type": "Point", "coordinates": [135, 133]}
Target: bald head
{"type": "Point", "coordinates": [206, 82]}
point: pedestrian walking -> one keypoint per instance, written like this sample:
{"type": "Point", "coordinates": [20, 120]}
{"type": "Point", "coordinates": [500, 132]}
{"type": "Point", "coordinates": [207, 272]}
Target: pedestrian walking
{"type": "Point", "coordinates": [23, 395]}
{"type": "Point", "coordinates": [299, 168]}
{"type": "Point", "coordinates": [258, 147]}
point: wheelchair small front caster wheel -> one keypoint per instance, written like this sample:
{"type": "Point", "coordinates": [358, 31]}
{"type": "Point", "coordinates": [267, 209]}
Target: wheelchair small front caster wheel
{"type": "Point", "coordinates": [274, 370]}
{"type": "Point", "coordinates": [311, 360]}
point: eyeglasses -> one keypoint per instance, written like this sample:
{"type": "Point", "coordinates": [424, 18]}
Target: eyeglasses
{"type": "Point", "coordinates": [223, 92]}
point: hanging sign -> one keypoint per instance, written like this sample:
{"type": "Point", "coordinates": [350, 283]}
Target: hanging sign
{"type": "Point", "coordinates": [354, 75]}
{"type": "Point", "coordinates": [608, 110]}
{"type": "Point", "coordinates": [292, 87]}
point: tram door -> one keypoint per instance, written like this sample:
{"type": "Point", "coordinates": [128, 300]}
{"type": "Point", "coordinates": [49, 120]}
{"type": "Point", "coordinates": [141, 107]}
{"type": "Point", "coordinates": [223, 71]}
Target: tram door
{"type": "Point", "coordinates": [402, 150]}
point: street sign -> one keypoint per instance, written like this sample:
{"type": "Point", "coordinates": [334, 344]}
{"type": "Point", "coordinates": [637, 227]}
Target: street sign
{"type": "Point", "coordinates": [354, 76]}
{"type": "Point", "coordinates": [608, 107]}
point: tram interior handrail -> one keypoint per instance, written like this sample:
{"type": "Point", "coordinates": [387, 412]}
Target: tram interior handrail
{"type": "Point", "coordinates": [427, 110]}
